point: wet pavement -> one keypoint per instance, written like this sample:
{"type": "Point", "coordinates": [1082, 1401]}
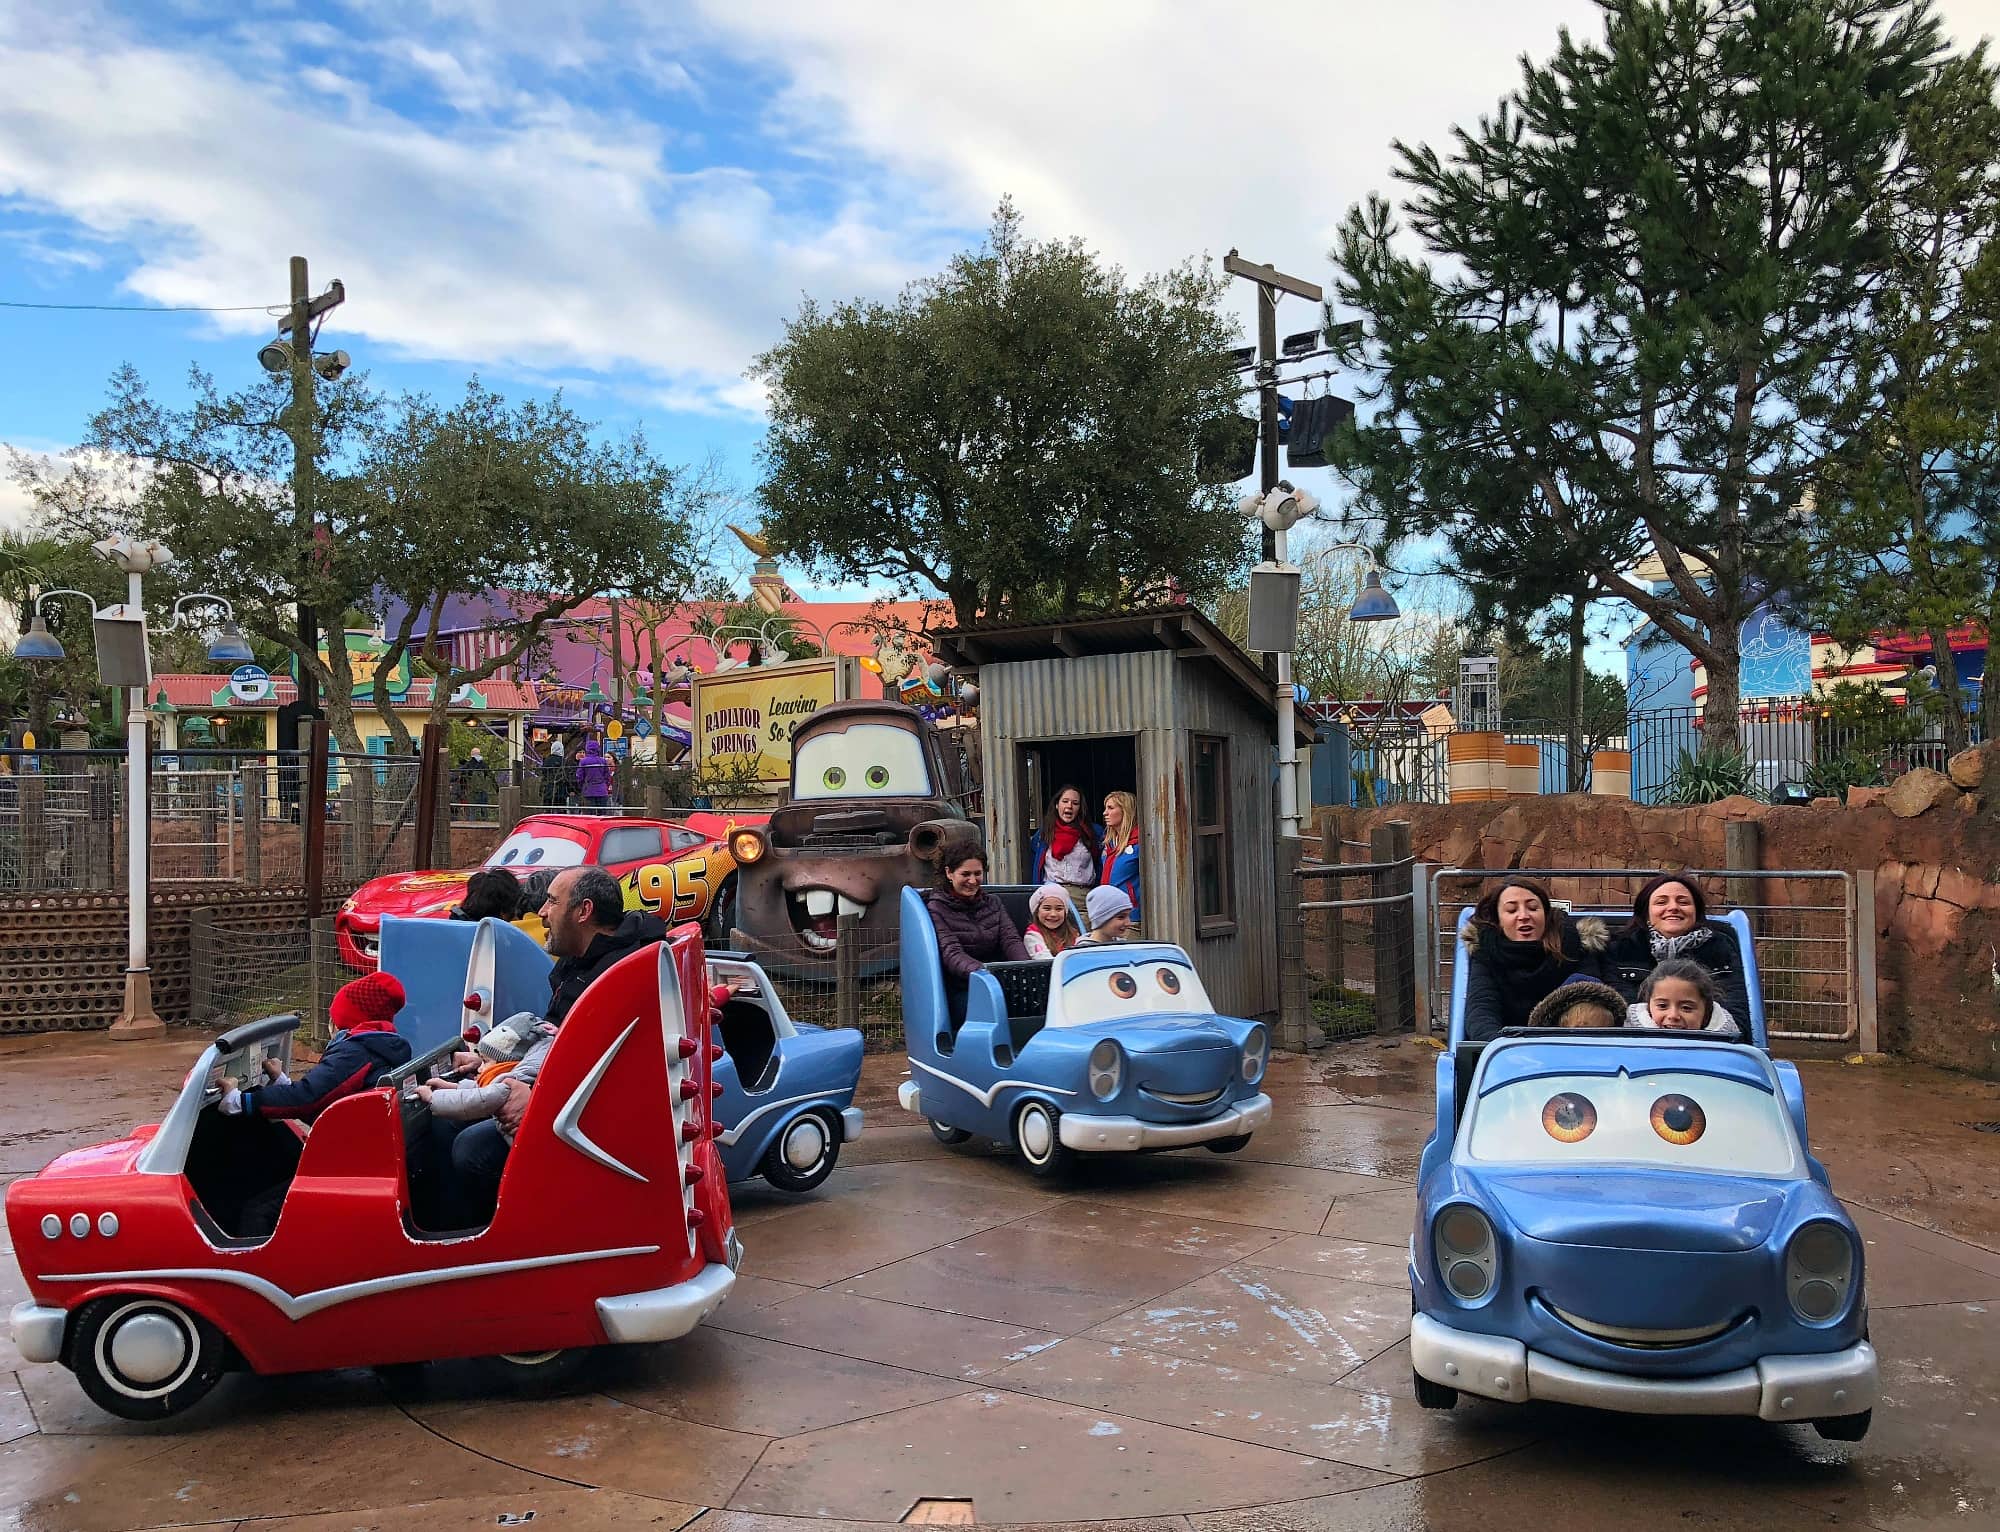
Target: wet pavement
{"type": "Point", "coordinates": [1178, 1341]}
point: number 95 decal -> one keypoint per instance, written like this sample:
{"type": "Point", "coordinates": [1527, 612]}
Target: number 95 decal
{"type": "Point", "coordinates": [674, 889]}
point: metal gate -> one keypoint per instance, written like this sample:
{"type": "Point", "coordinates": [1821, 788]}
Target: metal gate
{"type": "Point", "coordinates": [1363, 954]}
{"type": "Point", "coordinates": [1817, 978]}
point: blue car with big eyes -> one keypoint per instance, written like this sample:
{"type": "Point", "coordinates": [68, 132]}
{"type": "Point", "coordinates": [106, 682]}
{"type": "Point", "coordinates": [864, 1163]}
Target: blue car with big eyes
{"type": "Point", "coordinates": [785, 1089]}
{"type": "Point", "coordinates": [1633, 1220]}
{"type": "Point", "coordinates": [1112, 1049]}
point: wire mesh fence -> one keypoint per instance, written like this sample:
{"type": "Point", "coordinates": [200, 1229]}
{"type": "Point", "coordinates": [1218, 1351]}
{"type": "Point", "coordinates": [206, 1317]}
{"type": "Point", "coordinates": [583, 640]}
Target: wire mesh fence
{"type": "Point", "coordinates": [1803, 925]}
{"type": "Point", "coordinates": [1360, 943]}
{"type": "Point", "coordinates": [62, 821]}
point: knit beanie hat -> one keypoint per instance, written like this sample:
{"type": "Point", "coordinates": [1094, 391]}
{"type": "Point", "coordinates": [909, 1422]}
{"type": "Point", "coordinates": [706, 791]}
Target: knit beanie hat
{"type": "Point", "coordinates": [1047, 891]}
{"type": "Point", "coordinates": [367, 1004]}
{"type": "Point", "coordinates": [1104, 902]}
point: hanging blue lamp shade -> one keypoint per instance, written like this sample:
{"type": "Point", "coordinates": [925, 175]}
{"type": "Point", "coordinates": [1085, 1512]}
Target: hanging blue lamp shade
{"type": "Point", "coordinates": [38, 643]}
{"type": "Point", "coordinates": [1374, 604]}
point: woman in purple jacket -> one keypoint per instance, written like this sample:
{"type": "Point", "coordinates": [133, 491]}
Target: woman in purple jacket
{"type": "Point", "coordinates": [973, 928]}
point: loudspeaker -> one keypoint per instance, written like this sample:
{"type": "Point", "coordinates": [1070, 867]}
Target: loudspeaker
{"type": "Point", "coordinates": [121, 648]}
{"type": "Point", "coordinates": [1274, 608]}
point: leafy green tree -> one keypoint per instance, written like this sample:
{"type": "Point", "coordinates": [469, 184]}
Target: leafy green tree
{"type": "Point", "coordinates": [522, 502]}
{"type": "Point", "coordinates": [1634, 321]}
{"type": "Point", "coordinates": [1018, 432]}
{"type": "Point", "coordinates": [1905, 533]}
{"type": "Point", "coordinates": [212, 480]}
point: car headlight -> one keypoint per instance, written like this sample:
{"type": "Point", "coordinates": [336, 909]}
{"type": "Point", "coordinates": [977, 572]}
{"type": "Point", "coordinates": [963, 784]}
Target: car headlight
{"type": "Point", "coordinates": [1462, 1240]}
{"type": "Point", "coordinates": [1256, 1056]}
{"type": "Point", "coordinates": [746, 846]}
{"type": "Point", "coordinates": [1107, 1069]}
{"type": "Point", "coordinates": [1819, 1271]}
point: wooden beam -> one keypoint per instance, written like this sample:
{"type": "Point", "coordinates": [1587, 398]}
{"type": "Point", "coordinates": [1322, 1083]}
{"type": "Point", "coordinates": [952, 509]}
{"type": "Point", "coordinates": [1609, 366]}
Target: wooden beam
{"type": "Point", "coordinates": [1061, 639]}
{"type": "Point", "coordinates": [1270, 276]}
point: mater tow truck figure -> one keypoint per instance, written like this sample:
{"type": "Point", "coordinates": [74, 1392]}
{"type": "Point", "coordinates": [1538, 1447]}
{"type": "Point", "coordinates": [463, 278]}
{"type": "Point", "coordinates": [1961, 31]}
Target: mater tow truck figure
{"type": "Point", "coordinates": [1633, 1220]}
{"type": "Point", "coordinates": [613, 1224]}
{"type": "Point", "coordinates": [866, 809]}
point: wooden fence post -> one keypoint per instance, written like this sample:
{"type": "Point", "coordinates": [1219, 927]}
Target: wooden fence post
{"type": "Point", "coordinates": [313, 810]}
{"type": "Point", "coordinates": [847, 971]}
{"type": "Point", "coordinates": [253, 824]}
{"type": "Point", "coordinates": [510, 809]}
{"type": "Point", "coordinates": [1395, 929]}
{"type": "Point", "coordinates": [1742, 851]}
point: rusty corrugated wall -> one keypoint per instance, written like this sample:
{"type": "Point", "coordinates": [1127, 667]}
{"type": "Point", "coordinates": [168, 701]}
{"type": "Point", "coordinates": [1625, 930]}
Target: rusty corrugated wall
{"type": "Point", "coordinates": [1161, 700]}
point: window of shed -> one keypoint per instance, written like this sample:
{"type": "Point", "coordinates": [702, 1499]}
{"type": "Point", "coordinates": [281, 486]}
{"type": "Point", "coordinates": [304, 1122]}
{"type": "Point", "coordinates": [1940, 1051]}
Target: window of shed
{"type": "Point", "coordinates": [1215, 902]}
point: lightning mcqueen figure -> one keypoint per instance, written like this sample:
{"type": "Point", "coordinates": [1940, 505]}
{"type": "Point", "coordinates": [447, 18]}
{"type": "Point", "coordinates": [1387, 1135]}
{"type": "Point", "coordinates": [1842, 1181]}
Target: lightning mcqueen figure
{"type": "Point", "coordinates": [613, 1224]}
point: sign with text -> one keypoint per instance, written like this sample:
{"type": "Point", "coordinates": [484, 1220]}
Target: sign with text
{"type": "Point", "coordinates": [748, 715]}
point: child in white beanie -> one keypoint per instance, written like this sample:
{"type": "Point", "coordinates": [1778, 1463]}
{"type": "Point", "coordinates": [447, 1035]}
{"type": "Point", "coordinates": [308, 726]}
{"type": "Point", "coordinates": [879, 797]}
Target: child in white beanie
{"type": "Point", "coordinates": [1052, 926]}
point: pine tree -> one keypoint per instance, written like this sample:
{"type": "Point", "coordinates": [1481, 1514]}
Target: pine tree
{"type": "Point", "coordinates": [1634, 325]}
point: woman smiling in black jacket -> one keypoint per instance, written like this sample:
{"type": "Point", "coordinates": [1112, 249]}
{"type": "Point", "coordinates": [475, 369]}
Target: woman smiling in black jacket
{"type": "Point", "coordinates": [1670, 920]}
{"type": "Point", "coordinates": [1518, 948]}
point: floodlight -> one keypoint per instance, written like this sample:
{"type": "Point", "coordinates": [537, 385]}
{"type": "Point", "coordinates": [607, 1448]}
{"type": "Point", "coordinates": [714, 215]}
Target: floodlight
{"type": "Point", "coordinates": [275, 356]}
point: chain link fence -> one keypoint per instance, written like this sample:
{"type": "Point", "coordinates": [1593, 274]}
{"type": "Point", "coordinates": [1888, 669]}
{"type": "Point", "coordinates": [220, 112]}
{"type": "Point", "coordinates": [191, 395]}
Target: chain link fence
{"type": "Point", "coordinates": [1360, 940]}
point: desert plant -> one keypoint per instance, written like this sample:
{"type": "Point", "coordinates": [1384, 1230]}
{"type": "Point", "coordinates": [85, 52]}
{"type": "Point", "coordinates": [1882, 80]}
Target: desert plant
{"type": "Point", "coordinates": [1710, 777]}
{"type": "Point", "coordinates": [1832, 777]}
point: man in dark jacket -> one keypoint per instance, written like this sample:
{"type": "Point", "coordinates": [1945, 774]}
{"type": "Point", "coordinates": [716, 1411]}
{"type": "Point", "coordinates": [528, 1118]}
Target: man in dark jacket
{"type": "Point", "coordinates": [588, 932]}
{"type": "Point", "coordinates": [365, 1047]}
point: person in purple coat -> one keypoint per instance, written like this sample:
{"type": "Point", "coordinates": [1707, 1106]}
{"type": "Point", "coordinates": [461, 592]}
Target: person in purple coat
{"type": "Point", "coordinates": [593, 775]}
{"type": "Point", "coordinates": [973, 927]}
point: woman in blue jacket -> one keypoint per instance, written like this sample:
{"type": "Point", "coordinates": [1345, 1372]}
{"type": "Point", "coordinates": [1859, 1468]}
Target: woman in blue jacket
{"type": "Point", "coordinates": [1119, 864]}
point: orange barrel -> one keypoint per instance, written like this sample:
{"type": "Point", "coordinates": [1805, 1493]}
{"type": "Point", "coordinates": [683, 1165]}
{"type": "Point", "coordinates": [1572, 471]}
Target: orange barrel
{"type": "Point", "coordinates": [1478, 763]}
{"type": "Point", "coordinates": [1524, 771]}
{"type": "Point", "coordinates": [1611, 773]}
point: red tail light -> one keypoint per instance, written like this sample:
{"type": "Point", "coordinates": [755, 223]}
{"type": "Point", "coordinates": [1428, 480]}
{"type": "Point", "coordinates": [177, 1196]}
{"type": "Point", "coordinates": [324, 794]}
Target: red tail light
{"type": "Point", "coordinates": [716, 1053]}
{"type": "Point", "coordinates": [689, 1047]}
{"type": "Point", "coordinates": [696, 1218]}
{"type": "Point", "coordinates": [690, 1088]}
{"type": "Point", "coordinates": [694, 1174]}
{"type": "Point", "coordinates": [690, 1131]}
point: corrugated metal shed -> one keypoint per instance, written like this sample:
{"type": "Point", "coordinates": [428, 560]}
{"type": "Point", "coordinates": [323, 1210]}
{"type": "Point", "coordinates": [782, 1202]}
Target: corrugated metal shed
{"type": "Point", "coordinates": [1159, 678]}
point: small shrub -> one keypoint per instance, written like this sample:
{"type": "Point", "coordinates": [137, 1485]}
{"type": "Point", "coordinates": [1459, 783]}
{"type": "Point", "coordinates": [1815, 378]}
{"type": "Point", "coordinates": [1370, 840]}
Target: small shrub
{"type": "Point", "coordinates": [1710, 777]}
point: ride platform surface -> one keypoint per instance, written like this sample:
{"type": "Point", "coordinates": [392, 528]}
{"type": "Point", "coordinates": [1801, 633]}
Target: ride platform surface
{"type": "Point", "coordinates": [1172, 1341]}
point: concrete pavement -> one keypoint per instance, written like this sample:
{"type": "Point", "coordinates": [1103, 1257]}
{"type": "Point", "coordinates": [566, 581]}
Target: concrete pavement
{"type": "Point", "coordinates": [1184, 1341]}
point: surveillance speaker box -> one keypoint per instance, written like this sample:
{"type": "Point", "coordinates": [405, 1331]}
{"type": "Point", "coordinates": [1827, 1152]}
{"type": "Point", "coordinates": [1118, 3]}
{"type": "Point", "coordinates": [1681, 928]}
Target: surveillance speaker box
{"type": "Point", "coordinates": [1274, 608]}
{"type": "Point", "coordinates": [121, 648]}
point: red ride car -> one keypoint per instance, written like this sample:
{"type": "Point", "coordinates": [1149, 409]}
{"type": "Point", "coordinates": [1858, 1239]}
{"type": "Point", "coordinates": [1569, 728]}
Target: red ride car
{"type": "Point", "coordinates": [679, 869]}
{"type": "Point", "coordinates": [613, 1223]}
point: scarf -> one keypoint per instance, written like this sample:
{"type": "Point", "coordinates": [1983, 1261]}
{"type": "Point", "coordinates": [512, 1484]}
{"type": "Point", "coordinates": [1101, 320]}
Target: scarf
{"type": "Point", "coordinates": [1063, 838]}
{"type": "Point", "coordinates": [1676, 946]}
{"type": "Point", "coordinates": [1520, 960]}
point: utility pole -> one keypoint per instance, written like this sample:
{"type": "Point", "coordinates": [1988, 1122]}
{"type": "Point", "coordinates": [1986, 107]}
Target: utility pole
{"type": "Point", "coordinates": [302, 426]}
{"type": "Point", "coordinates": [1271, 283]}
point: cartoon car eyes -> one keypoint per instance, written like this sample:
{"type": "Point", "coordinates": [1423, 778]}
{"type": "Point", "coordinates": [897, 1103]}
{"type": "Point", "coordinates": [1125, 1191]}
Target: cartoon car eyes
{"type": "Point", "coordinates": [861, 760]}
{"type": "Point", "coordinates": [1168, 980]}
{"type": "Point", "coordinates": [1569, 1117]}
{"type": "Point", "coordinates": [835, 777]}
{"type": "Point", "coordinates": [1123, 985]}
{"type": "Point", "coordinates": [536, 851]}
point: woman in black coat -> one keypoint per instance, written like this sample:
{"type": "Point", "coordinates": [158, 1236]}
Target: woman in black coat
{"type": "Point", "coordinates": [1670, 920]}
{"type": "Point", "coordinates": [1518, 948]}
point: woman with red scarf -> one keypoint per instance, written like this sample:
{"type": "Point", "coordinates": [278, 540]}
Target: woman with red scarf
{"type": "Point", "coordinates": [1065, 849]}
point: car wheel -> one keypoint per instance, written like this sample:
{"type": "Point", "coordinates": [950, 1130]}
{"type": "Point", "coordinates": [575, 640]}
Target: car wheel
{"type": "Point", "coordinates": [1228, 1145]}
{"type": "Point", "coordinates": [532, 1371]}
{"type": "Point", "coordinates": [803, 1154]}
{"type": "Point", "coordinates": [145, 1358]}
{"type": "Point", "coordinates": [721, 914]}
{"type": "Point", "coordinates": [1038, 1140]}
{"type": "Point", "coordinates": [950, 1137]}
{"type": "Point", "coordinates": [1844, 1428]}
{"type": "Point", "coordinates": [1433, 1396]}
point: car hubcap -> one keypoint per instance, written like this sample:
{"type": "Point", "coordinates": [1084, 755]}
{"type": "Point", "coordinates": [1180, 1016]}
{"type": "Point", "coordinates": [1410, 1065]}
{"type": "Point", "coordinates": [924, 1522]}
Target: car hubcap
{"type": "Point", "coordinates": [529, 1358]}
{"type": "Point", "coordinates": [144, 1352]}
{"type": "Point", "coordinates": [1037, 1133]}
{"type": "Point", "coordinates": [805, 1142]}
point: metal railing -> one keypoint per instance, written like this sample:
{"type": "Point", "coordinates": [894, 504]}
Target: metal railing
{"type": "Point", "coordinates": [1361, 950]}
{"type": "Point", "coordinates": [1804, 923]}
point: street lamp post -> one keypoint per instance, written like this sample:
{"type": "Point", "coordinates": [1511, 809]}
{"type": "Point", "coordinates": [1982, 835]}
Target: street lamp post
{"type": "Point", "coordinates": [123, 661]}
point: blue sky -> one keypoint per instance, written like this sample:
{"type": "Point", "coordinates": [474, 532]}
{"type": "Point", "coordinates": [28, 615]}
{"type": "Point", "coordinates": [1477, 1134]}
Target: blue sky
{"type": "Point", "coordinates": [627, 200]}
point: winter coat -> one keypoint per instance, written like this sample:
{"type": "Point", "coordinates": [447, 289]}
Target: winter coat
{"type": "Point", "coordinates": [353, 1062]}
{"type": "Point", "coordinates": [1120, 870]}
{"type": "Point", "coordinates": [1041, 870]}
{"type": "Point", "coordinates": [470, 1101]}
{"type": "Point", "coordinates": [593, 773]}
{"type": "Point", "coordinates": [1505, 980]}
{"type": "Point", "coordinates": [972, 933]}
{"type": "Point", "coordinates": [571, 976]}
{"type": "Point", "coordinates": [1631, 957]}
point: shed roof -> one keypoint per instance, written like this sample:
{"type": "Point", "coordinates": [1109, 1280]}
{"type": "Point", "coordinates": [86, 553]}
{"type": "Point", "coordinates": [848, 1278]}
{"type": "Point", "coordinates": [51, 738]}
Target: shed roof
{"type": "Point", "coordinates": [1180, 630]}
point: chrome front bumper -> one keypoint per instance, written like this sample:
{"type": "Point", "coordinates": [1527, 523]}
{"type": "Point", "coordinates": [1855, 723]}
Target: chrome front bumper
{"type": "Point", "coordinates": [850, 1124]}
{"type": "Point", "coordinates": [909, 1098]}
{"type": "Point", "coordinates": [665, 1313]}
{"type": "Point", "coordinates": [1091, 1134]}
{"type": "Point", "coordinates": [37, 1331]}
{"type": "Point", "coordinates": [1798, 1388]}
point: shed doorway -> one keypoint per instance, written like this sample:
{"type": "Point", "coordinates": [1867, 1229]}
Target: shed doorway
{"type": "Point", "coordinates": [1095, 766]}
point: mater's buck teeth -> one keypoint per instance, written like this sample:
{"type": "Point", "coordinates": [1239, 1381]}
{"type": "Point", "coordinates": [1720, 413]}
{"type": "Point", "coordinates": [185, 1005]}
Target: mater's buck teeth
{"type": "Point", "coordinates": [851, 907]}
{"type": "Point", "coordinates": [819, 901]}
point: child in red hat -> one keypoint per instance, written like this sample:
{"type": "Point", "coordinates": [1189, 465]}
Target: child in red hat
{"type": "Point", "coordinates": [365, 1047]}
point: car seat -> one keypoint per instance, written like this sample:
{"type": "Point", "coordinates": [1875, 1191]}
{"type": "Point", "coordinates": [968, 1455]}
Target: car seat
{"type": "Point", "coordinates": [751, 1042]}
{"type": "Point", "coordinates": [1025, 986]}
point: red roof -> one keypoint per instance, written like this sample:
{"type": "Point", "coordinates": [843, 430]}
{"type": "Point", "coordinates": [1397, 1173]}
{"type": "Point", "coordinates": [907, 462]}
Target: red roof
{"type": "Point", "coordinates": [200, 694]}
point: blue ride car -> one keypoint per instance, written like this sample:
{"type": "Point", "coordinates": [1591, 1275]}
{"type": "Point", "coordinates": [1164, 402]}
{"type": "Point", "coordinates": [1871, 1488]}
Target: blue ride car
{"type": "Point", "coordinates": [1633, 1220]}
{"type": "Point", "coordinates": [786, 1102]}
{"type": "Point", "coordinates": [1104, 1050]}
